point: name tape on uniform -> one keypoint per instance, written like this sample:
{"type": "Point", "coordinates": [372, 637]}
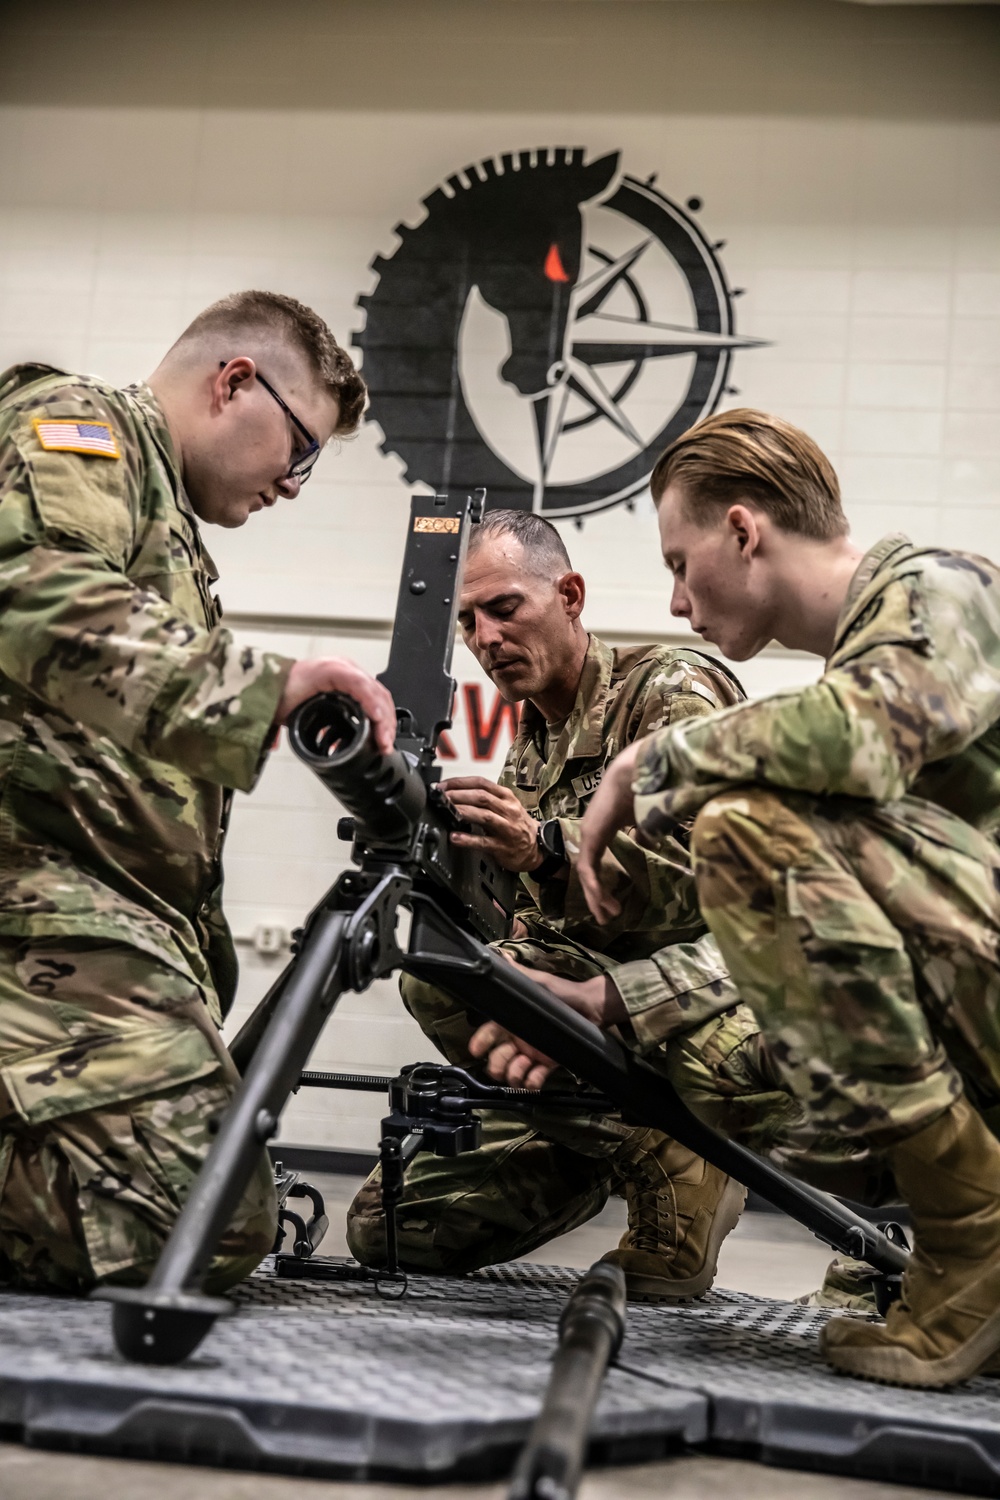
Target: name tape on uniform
{"type": "Point", "coordinates": [584, 785]}
{"type": "Point", "coordinates": [58, 436]}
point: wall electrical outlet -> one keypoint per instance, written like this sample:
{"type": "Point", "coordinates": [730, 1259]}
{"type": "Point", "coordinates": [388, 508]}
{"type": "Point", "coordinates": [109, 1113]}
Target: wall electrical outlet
{"type": "Point", "coordinates": [269, 938]}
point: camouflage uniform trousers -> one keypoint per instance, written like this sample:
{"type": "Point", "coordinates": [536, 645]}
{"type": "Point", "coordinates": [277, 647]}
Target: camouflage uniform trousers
{"type": "Point", "coordinates": [529, 1182]}
{"type": "Point", "coordinates": [112, 1078]}
{"type": "Point", "coordinates": [864, 937]}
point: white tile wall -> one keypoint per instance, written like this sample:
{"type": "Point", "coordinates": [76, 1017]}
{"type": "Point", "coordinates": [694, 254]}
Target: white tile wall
{"type": "Point", "coordinates": [870, 253]}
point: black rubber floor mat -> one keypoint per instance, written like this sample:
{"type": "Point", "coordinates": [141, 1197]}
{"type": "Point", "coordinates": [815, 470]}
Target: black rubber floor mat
{"type": "Point", "coordinates": [311, 1377]}
{"type": "Point", "coordinates": [316, 1378]}
{"type": "Point", "coordinates": [772, 1397]}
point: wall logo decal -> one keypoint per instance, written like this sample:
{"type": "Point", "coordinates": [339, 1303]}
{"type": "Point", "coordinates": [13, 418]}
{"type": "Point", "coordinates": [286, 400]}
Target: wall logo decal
{"type": "Point", "coordinates": [546, 330]}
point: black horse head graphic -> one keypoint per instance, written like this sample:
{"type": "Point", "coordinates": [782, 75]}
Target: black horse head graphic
{"type": "Point", "coordinates": [516, 231]}
{"type": "Point", "coordinates": [523, 233]}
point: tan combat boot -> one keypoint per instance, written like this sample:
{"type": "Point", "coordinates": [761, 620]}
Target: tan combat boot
{"type": "Point", "coordinates": [680, 1210]}
{"type": "Point", "coordinates": [946, 1326]}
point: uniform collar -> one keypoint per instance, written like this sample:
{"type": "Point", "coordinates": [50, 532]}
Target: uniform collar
{"type": "Point", "coordinates": [142, 396]}
{"type": "Point", "coordinates": [872, 562]}
{"type": "Point", "coordinates": [581, 735]}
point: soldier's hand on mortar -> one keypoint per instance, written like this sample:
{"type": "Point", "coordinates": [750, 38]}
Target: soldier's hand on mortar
{"type": "Point", "coordinates": [513, 1062]}
{"type": "Point", "coordinates": [503, 827]}
{"type": "Point", "coordinates": [334, 674]}
{"type": "Point", "coordinates": [508, 1059]}
{"type": "Point", "coordinates": [609, 809]}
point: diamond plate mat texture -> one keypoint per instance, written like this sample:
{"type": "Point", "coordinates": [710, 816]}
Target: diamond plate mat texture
{"type": "Point", "coordinates": [320, 1378]}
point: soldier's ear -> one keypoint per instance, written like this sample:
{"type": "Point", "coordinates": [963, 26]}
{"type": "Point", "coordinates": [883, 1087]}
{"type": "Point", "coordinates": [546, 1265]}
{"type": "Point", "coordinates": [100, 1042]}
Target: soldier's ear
{"type": "Point", "coordinates": [743, 523]}
{"type": "Point", "coordinates": [574, 594]}
{"type": "Point", "coordinates": [230, 376]}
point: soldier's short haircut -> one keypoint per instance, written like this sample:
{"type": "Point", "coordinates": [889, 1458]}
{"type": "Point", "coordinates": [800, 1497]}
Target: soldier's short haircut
{"type": "Point", "coordinates": [272, 313]}
{"type": "Point", "coordinates": [747, 455]}
{"type": "Point", "coordinates": [542, 544]}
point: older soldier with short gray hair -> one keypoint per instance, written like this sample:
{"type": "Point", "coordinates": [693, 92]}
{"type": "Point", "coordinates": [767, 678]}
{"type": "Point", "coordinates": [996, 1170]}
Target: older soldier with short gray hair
{"type": "Point", "coordinates": [583, 702]}
{"type": "Point", "coordinates": [127, 715]}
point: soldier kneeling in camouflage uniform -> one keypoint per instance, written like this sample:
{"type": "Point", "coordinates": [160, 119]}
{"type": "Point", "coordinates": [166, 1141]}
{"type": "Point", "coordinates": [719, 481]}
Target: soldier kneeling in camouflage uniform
{"type": "Point", "coordinates": [126, 714]}
{"type": "Point", "coordinates": [583, 703]}
{"type": "Point", "coordinates": [844, 850]}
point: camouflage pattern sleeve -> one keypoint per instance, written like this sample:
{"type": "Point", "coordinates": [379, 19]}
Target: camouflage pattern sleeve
{"type": "Point", "coordinates": [913, 680]}
{"type": "Point", "coordinates": [153, 674]}
{"type": "Point", "coordinates": [678, 987]}
{"type": "Point", "coordinates": [654, 885]}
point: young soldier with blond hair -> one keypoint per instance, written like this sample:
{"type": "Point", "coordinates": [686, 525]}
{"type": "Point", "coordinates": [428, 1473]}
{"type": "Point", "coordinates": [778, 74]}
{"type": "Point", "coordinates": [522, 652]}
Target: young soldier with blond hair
{"type": "Point", "coordinates": [843, 849]}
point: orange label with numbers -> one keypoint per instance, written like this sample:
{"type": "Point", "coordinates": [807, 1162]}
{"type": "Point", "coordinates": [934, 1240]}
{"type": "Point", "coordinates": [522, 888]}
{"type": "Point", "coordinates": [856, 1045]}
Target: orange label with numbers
{"type": "Point", "coordinates": [436, 523]}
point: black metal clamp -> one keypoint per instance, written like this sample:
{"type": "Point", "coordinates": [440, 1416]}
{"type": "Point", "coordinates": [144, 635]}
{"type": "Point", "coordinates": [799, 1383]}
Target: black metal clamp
{"type": "Point", "coordinates": [432, 1108]}
{"type": "Point", "coordinates": [308, 1232]}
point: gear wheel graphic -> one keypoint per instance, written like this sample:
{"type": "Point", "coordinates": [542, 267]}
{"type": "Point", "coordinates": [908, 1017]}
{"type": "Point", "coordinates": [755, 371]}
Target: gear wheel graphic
{"type": "Point", "coordinates": [512, 230]}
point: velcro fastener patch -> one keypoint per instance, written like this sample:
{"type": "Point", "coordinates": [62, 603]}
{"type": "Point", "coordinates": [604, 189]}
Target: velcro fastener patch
{"type": "Point", "coordinates": [59, 436]}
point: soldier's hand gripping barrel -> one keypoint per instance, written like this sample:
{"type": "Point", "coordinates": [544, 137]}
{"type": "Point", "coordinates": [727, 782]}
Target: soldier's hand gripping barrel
{"type": "Point", "coordinates": [385, 794]}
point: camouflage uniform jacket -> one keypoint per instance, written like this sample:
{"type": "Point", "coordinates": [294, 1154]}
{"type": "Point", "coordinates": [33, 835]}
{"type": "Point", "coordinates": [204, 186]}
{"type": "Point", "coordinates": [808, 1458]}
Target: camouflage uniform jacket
{"type": "Point", "coordinates": [909, 703]}
{"type": "Point", "coordinates": [658, 943]}
{"type": "Point", "coordinates": [126, 711]}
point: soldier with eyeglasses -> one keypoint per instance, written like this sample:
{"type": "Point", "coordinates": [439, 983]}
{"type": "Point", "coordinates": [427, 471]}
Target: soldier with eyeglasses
{"type": "Point", "coordinates": [128, 715]}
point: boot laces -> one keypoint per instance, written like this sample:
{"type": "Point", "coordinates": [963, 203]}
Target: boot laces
{"type": "Point", "coordinates": [650, 1218]}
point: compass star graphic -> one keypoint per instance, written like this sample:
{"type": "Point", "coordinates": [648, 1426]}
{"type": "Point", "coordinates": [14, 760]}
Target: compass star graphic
{"type": "Point", "coordinates": [546, 330]}
{"type": "Point", "coordinates": [596, 338]}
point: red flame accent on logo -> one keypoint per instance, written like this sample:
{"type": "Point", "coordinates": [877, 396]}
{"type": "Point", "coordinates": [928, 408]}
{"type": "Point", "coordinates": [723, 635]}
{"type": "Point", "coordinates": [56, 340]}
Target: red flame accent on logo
{"type": "Point", "coordinates": [554, 268]}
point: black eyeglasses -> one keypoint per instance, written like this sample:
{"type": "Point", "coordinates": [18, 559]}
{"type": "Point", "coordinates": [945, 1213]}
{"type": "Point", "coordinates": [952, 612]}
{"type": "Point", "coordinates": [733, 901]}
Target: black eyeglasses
{"type": "Point", "coordinates": [302, 465]}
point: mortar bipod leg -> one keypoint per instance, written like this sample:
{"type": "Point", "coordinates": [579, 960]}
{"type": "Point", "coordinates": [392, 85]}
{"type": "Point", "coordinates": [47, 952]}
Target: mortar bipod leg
{"type": "Point", "coordinates": [395, 1154]}
{"type": "Point", "coordinates": [442, 954]}
{"type": "Point", "coordinates": [164, 1321]}
{"type": "Point", "coordinates": [244, 1043]}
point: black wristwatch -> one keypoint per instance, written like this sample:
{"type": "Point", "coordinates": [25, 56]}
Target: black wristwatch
{"type": "Point", "coordinates": [552, 848]}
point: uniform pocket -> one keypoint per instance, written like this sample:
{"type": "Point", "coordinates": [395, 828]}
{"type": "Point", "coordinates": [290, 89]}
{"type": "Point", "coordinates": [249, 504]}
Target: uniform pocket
{"type": "Point", "coordinates": [170, 565]}
{"type": "Point", "coordinates": [848, 1001]}
{"type": "Point", "coordinates": [93, 1071]}
{"type": "Point", "coordinates": [837, 909]}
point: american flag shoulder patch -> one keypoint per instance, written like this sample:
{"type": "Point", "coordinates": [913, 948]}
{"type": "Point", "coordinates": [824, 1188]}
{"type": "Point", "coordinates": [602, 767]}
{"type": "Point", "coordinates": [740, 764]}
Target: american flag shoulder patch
{"type": "Point", "coordinates": [58, 436]}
